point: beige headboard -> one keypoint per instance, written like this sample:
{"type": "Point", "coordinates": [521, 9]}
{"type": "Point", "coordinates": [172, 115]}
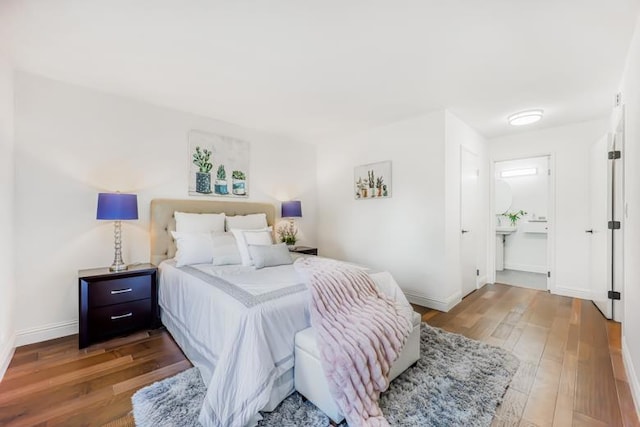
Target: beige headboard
{"type": "Point", "coordinates": [163, 222]}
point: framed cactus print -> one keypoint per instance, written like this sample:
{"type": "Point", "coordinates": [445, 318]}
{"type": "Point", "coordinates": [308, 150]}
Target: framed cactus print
{"type": "Point", "coordinates": [218, 165]}
{"type": "Point", "coordinates": [372, 181]}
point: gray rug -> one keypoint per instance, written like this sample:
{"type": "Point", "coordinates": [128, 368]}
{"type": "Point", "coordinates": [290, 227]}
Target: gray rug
{"type": "Point", "coordinates": [456, 382]}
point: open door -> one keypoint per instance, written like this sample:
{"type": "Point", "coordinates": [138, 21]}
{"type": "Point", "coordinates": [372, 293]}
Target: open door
{"type": "Point", "coordinates": [468, 220]}
{"type": "Point", "coordinates": [606, 228]}
{"type": "Point", "coordinates": [599, 208]}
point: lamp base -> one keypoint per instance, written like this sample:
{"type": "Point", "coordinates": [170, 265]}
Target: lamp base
{"type": "Point", "coordinates": [118, 267]}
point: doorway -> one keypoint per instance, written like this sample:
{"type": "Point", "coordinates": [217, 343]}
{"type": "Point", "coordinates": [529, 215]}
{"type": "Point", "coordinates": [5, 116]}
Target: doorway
{"type": "Point", "coordinates": [522, 201]}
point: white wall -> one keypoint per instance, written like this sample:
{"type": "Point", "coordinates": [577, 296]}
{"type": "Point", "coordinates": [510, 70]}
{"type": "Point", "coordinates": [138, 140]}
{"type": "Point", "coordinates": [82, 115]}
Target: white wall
{"type": "Point", "coordinates": [526, 251]}
{"type": "Point", "coordinates": [7, 283]}
{"type": "Point", "coordinates": [630, 88]}
{"type": "Point", "coordinates": [406, 234]}
{"type": "Point", "coordinates": [570, 147]}
{"type": "Point", "coordinates": [72, 143]}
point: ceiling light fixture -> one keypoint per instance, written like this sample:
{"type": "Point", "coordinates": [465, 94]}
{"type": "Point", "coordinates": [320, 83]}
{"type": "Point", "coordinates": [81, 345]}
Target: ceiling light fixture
{"type": "Point", "coordinates": [525, 117]}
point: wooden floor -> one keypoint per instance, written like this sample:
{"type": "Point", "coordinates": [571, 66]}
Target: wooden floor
{"type": "Point", "coordinates": [571, 369]}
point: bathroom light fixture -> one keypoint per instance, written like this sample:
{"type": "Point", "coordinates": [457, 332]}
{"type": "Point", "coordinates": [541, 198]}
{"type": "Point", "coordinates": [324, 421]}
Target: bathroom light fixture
{"type": "Point", "coordinates": [525, 117]}
{"type": "Point", "coordinates": [519, 172]}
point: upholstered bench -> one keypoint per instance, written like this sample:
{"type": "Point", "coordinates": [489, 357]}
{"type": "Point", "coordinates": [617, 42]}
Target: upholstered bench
{"type": "Point", "coordinates": [309, 377]}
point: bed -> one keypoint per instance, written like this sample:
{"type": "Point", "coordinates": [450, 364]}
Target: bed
{"type": "Point", "coordinates": [236, 324]}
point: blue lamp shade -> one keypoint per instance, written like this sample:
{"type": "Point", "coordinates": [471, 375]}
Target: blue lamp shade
{"type": "Point", "coordinates": [292, 209]}
{"type": "Point", "coordinates": [117, 206]}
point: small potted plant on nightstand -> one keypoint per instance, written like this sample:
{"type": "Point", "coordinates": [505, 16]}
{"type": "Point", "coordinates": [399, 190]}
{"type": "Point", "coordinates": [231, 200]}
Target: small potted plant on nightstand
{"type": "Point", "coordinates": [203, 176]}
{"type": "Point", "coordinates": [287, 233]}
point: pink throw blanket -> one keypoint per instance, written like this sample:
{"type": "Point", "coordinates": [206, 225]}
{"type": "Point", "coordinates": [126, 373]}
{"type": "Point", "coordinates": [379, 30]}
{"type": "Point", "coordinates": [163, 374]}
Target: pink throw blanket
{"type": "Point", "coordinates": [360, 332]}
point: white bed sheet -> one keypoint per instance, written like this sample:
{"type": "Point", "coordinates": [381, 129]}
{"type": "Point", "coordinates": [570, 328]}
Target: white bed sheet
{"type": "Point", "coordinates": [237, 325]}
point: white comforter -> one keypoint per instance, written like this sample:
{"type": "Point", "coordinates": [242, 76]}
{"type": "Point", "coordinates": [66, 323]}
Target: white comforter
{"type": "Point", "coordinates": [237, 324]}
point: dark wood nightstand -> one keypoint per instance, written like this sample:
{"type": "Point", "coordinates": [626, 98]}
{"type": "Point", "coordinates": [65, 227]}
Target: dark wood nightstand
{"type": "Point", "coordinates": [304, 250]}
{"type": "Point", "coordinates": [116, 303]}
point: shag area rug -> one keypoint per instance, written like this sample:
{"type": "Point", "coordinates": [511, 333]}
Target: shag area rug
{"type": "Point", "coordinates": [456, 382]}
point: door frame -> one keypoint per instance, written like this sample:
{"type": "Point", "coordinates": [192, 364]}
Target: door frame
{"type": "Point", "coordinates": [551, 217]}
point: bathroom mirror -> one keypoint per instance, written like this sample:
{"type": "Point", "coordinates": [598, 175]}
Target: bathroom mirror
{"type": "Point", "coordinates": [504, 197]}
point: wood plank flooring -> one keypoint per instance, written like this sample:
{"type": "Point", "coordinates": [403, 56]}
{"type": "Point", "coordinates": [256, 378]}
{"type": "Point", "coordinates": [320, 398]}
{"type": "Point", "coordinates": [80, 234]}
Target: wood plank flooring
{"type": "Point", "coordinates": [571, 370]}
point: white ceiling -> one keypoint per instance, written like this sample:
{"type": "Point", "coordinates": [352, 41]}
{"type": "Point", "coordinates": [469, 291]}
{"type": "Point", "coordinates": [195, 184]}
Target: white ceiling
{"type": "Point", "coordinates": [314, 70]}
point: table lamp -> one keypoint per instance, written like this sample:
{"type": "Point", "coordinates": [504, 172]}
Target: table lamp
{"type": "Point", "coordinates": [117, 207]}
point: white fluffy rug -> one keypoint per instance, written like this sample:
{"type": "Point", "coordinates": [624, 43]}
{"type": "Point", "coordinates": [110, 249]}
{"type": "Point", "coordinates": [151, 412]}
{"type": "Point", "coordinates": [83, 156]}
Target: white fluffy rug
{"type": "Point", "coordinates": [456, 382]}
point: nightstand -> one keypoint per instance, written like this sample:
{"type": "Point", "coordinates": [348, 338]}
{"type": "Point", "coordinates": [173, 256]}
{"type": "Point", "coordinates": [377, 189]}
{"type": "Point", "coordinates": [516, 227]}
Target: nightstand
{"type": "Point", "coordinates": [116, 303]}
{"type": "Point", "coordinates": [304, 250]}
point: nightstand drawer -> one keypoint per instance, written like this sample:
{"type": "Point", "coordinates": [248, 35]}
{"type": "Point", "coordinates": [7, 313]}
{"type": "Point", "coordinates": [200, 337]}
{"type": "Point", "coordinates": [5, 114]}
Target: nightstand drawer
{"type": "Point", "coordinates": [115, 319]}
{"type": "Point", "coordinates": [116, 291]}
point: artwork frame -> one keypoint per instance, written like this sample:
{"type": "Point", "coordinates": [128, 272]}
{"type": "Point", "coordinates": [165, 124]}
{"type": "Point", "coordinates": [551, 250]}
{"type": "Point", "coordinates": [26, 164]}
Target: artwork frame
{"type": "Point", "coordinates": [218, 165]}
{"type": "Point", "coordinates": [372, 181]}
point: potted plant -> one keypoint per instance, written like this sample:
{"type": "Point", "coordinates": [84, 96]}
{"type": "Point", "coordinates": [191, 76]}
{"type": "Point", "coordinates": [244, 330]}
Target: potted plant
{"type": "Point", "coordinates": [203, 176]}
{"type": "Point", "coordinates": [514, 216]}
{"type": "Point", "coordinates": [239, 180]}
{"type": "Point", "coordinates": [379, 184]}
{"type": "Point", "coordinates": [372, 183]}
{"type": "Point", "coordinates": [359, 187]}
{"type": "Point", "coordinates": [220, 187]}
{"type": "Point", "coordinates": [287, 233]}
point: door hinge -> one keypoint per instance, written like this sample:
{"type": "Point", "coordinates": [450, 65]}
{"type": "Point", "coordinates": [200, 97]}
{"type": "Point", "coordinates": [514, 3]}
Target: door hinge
{"type": "Point", "coordinates": [548, 274]}
{"type": "Point", "coordinates": [477, 272]}
{"type": "Point", "coordinates": [618, 100]}
{"type": "Point", "coordinates": [613, 295]}
{"type": "Point", "coordinates": [613, 225]}
{"type": "Point", "coordinates": [549, 172]}
{"type": "Point", "coordinates": [612, 155]}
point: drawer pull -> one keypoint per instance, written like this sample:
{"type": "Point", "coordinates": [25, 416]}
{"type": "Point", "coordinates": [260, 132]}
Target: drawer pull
{"type": "Point", "coordinates": [122, 316]}
{"type": "Point", "coordinates": [121, 291]}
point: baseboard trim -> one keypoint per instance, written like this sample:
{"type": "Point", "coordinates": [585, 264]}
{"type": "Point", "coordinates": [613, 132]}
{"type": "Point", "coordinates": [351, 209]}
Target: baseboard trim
{"type": "Point", "coordinates": [435, 304]}
{"type": "Point", "coordinates": [46, 332]}
{"type": "Point", "coordinates": [525, 267]}
{"type": "Point", "coordinates": [573, 293]}
{"type": "Point", "coordinates": [634, 384]}
{"type": "Point", "coordinates": [6, 354]}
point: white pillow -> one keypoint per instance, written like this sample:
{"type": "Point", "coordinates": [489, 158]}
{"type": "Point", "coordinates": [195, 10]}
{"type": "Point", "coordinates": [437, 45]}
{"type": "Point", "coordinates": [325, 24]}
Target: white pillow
{"type": "Point", "coordinates": [270, 255]}
{"type": "Point", "coordinates": [198, 223]}
{"type": "Point", "coordinates": [247, 222]}
{"type": "Point", "coordinates": [193, 248]}
{"type": "Point", "coordinates": [244, 238]}
{"type": "Point", "coordinates": [225, 249]}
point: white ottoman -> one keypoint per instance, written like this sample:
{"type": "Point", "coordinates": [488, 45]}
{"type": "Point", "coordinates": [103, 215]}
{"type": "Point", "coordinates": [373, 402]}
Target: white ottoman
{"type": "Point", "coordinates": [309, 377]}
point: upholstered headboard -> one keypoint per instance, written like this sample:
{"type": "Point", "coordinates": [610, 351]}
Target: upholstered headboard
{"type": "Point", "coordinates": [163, 221]}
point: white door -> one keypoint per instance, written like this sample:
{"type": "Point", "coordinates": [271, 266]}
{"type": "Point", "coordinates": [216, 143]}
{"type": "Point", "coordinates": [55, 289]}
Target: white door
{"type": "Point", "coordinates": [468, 220]}
{"type": "Point", "coordinates": [599, 211]}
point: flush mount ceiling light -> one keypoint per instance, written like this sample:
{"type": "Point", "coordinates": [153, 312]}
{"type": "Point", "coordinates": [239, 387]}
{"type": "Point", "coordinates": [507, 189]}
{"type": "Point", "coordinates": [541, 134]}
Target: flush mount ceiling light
{"type": "Point", "coordinates": [519, 172]}
{"type": "Point", "coordinates": [525, 117]}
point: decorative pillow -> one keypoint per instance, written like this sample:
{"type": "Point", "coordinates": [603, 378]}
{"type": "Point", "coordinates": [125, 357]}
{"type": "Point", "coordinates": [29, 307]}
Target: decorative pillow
{"type": "Point", "coordinates": [247, 222]}
{"type": "Point", "coordinates": [225, 249]}
{"type": "Point", "coordinates": [198, 223]}
{"type": "Point", "coordinates": [251, 237]}
{"type": "Point", "coordinates": [193, 248]}
{"type": "Point", "coordinates": [270, 255]}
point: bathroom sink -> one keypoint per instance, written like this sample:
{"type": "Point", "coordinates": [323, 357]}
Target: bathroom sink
{"type": "Point", "coordinates": [505, 229]}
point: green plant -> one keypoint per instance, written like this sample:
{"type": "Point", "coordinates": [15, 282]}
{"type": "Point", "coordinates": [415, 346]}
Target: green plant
{"type": "Point", "coordinates": [287, 232]}
{"type": "Point", "coordinates": [238, 175]}
{"type": "Point", "coordinates": [201, 159]}
{"type": "Point", "coordinates": [372, 179]}
{"type": "Point", "coordinates": [221, 174]}
{"type": "Point", "coordinates": [379, 182]}
{"type": "Point", "coordinates": [514, 216]}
